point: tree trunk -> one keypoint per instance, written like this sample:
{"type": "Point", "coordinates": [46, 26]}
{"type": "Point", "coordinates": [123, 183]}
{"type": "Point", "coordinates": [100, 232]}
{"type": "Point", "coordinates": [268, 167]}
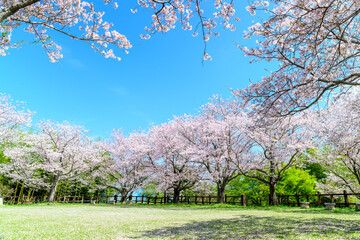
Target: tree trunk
{"type": "Point", "coordinates": [272, 185]}
{"type": "Point", "coordinates": [272, 196]}
{"type": "Point", "coordinates": [220, 192]}
{"type": "Point", "coordinates": [124, 195]}
{"type": "Point", "coordinates": [176, 195]}
{"type": "Point", "coordinates": [122, 199]}
{"type": "Point", "coordinates": [55, 182]}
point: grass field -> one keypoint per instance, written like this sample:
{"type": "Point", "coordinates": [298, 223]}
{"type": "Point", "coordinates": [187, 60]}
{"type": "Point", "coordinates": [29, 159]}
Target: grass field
{"type": "Point", "coordinates": [75, 221]}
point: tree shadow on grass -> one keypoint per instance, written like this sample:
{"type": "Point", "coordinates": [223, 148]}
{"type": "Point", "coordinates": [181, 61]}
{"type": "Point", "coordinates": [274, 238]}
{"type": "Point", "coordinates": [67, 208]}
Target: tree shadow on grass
{"type": "Point", "coordinates": [174, 207]}
{"type": "Point", "coordinates": [313, 210]}
{"type": "Point", "coordinates": [256, 227]}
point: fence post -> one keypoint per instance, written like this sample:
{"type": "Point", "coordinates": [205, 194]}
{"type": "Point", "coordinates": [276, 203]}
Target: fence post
{"type": "Point", "coordinates": [243, 200]}
{"type": "Point", "coordinates": [297, 199]}
{"type": "Point", "coordinates": [346, 199]}
{"type": "Point", "coordinates": [82, 198]}
{"type": "Point", "coordinates": [142, 198]}
{"type": "Point", "coordinates": [195, 199]}
{"type": "Point", "coordinates": [155, 199]}
{"type": "Point", "coordinates": [209, 199]}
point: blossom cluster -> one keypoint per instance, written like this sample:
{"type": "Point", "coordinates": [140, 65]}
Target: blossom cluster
{"type": "Point", "coordinates": [80, 20]}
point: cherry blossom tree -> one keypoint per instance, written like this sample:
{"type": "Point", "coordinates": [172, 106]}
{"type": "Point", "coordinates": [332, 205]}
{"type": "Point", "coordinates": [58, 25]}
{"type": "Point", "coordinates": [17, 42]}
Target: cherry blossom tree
{"type": "Point", "coordinates": [174, 168]}
{"type": "Point", "coordinates": [218, 141]}
{"type": "Point", "coordinates": [58, 152]}
{"type": "Point", "coordinates": [338, 141]}
{"type": "Point", "coordinates": [316, 45]}
{"type": "Point", "coordinates": [12, 118]}
{"type": "Point", "coordinates": [80, 20]}
{"type": "Point", "coordinates": [276, 145]}
{"type": "Point", "coordinates": [127, 163]}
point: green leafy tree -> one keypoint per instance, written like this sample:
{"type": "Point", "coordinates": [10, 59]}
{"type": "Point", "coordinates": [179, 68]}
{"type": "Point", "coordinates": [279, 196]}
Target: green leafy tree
{"type": "Point", "coordinates": [256, 191]}
{"type": "Point", "coordinates": [150, 190]}
{"type": "Point", "coordinates": [297, 180]}
{"type": "Point", "coordinates": [315, 169]}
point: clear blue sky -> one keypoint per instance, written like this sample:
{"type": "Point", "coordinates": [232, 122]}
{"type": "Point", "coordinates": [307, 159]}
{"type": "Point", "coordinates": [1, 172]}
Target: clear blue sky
{"type": "Point", "coordinates": [159, 78]}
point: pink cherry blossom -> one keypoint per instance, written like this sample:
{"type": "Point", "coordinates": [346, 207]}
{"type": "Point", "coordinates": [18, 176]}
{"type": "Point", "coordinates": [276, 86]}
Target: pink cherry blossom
{"type": "Point", "coordinates": [58, 152]}
{"type": "Point", "coordinates": [80, 20]}
{"type": "Point", "coordinates": [126, 163]}
{"type": "Point", "coordinates": [315, 44]}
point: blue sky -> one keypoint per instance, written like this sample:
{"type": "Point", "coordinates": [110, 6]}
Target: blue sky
{"type": "Point", "coordinates": [159, 78]}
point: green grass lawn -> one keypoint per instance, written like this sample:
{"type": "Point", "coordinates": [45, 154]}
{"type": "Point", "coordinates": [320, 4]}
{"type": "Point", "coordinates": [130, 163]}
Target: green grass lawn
{"type": "Point", "coordinates": [76, 221]}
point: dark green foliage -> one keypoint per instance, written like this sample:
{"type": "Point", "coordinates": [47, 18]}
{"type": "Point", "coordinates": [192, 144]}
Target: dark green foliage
{"type": "Point", "coordinates": [316, 170]}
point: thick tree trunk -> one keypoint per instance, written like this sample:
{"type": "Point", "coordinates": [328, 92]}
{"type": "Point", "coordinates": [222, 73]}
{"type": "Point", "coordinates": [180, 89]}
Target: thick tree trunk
{"type": "Point", "coordinates": [124, 195]}
{"type": "Point", "coordinates": [122, 199]}
{"type": "Point", "coordinates": [272, 196]}
{"type": "Point", "coordinates": [55, 182]}
{"type": "Point", "coordinates": [220, 192]}
{"type": "Point", "coordinates": [176, 195]}
{"type": "Point", "coordinates": [272, 185]}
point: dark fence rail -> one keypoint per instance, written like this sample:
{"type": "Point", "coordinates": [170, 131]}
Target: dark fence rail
{"type": "Point", "coordinates": [133, 199]}
{"type": "Point", "coordinates": [341, 199]}
{"type": "Point", "coordinates": [189, 199]}
{"type": "Point", "coordinates": [34, 199]}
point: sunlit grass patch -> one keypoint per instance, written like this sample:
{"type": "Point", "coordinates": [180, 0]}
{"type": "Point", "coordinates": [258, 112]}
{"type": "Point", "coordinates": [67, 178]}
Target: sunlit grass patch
{"type": "Point", "coordinates": [82, 221]}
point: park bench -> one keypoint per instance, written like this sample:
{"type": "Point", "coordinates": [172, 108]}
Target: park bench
{"type": "Point", "coordinates": [305, 204]}
{"type": "Point", "coordinates": [330, 206]}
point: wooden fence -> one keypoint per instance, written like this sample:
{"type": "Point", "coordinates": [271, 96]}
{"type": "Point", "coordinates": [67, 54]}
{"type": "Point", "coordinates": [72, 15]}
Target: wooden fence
{"type": "Point", "coordinates": [134, 199]}
{"type": "Point", "coordinates": [341, 199]}
{"type": "Point", "coordinates": [189, 199]}
{"type": "Point", "coordinates": [34, 199]}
